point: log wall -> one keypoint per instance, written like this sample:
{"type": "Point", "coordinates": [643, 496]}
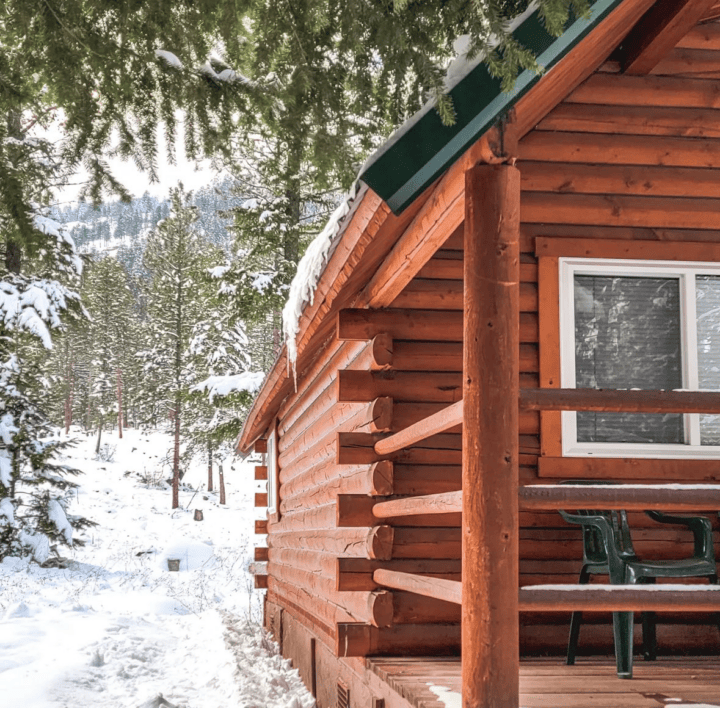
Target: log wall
{"type": "Point", "coordinates": [628, 158]}
{"type": "Point", "coordinates": [623, 158]}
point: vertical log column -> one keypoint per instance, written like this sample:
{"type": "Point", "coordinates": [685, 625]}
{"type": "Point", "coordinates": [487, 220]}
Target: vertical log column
{"type": "Point", "coordinates": [490, 624]}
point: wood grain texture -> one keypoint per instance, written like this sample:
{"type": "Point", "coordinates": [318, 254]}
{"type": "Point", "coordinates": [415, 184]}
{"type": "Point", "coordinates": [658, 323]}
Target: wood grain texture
{"type": "Point", "coordinates": [619, 210]}
{"type": "Point", "coordinates": [673, 121]}
{"type": "Point", "coordinates": [490, 438]}
{"type": "Point", "coordinates": [636, 498]}
{"type": "Point", "coordinates": [658, 31]}
{"type": "Point", "coordinates": [549, 683]}
{"type": "Point", "coordinates": [440, 589]}
{"type": "Point", "coordinates": [630, 249]}
{"type": "Point", "coordinates": [629, 469]}
{"type": "Point", "coordinates": [619, 598]}
{"type": "Point", "coordinates": [577, 65]}
{"type": "Point", "coordinates": [434, 424]}
{"type": "Point", "coordinates": [590, 399]}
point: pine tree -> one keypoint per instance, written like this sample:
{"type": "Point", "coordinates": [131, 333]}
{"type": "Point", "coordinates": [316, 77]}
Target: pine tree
{"type": "Point", "coordinates": [324, 80]}
{"type": "Point", "coordinates": [174, 257]}
{"type": "Point", "coordinates": [222, 381]}
{"type": "Point", "coordinates": [111, 305]}
{"type": "Point", "coordinates": [33, 488]}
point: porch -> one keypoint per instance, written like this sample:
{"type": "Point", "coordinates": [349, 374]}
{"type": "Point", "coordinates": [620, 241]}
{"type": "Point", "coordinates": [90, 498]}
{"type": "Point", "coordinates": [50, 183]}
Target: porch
{"type": "Point", "coordinates": [491, 498]}
{"type": "Point", "coordinates": [549, 683]}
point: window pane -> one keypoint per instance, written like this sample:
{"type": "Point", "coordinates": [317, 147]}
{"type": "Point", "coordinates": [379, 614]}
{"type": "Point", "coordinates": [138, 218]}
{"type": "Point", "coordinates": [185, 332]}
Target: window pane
{"type": "Point", "coordinates": [627, 335]}
{"type": "Point", "coordinates": [707, 289]}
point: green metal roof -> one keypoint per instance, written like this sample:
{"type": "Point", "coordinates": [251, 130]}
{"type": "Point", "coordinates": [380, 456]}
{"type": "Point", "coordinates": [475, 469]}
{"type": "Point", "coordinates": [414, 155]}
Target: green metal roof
{"type": "Point", "coordinates": [407, 165]}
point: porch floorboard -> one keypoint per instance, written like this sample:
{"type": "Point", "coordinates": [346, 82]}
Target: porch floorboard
{"type": "Point", "coordinates": [549, 683]}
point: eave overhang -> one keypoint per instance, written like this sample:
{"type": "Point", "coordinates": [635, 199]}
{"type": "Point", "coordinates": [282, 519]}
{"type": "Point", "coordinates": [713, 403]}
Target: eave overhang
{"type": "Point", "coordinates": [571, 59]}
{"type": "Point", "coordinates": [406, 166]}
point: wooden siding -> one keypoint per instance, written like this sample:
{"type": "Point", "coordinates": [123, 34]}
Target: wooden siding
{"type": "Point", "coordinates": [624, 159]}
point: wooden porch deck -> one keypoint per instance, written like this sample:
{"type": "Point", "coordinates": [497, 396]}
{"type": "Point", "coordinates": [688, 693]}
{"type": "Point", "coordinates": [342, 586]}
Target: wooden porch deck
{"type": "Point", "coordinates": [549, 683]}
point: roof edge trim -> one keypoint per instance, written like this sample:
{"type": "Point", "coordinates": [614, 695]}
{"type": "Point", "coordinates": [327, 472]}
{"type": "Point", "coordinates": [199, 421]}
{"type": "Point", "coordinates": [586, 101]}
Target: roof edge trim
{"type": "Point", "coordinates": [425, 150]}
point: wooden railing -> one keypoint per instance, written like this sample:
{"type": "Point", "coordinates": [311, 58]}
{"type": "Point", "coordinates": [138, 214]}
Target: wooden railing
{"type": "Point", "coordinates": [676, 497]}
{"type": "Point", "coordinates": [569, 598]}
{"type": "Point", "coordinates": [550, 497]}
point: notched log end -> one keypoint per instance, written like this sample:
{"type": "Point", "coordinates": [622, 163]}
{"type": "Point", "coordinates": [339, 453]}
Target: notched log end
{"type": "Point", "coordinates": [380, 608]}
{"type": "Point", "coordinates": [382, 351]}
{"type": "Point", "coordinates": [382, 414]}
{"type": "Point", "coordinates": [380, 543]}
{"type": "Point", "coordinates": [382, 478]}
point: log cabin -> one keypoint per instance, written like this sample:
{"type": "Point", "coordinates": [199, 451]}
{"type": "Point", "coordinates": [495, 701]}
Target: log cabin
{"type": "Point", "coordinates": [492, 294]}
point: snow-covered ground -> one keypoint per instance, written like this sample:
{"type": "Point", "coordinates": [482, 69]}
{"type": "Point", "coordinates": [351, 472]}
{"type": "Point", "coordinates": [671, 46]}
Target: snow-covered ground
{"type": "Point", "coordinates": [115, 628]}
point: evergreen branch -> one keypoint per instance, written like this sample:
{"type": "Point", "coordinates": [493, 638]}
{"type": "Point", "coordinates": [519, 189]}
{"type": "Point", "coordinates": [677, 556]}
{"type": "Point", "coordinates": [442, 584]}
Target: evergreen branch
{"type": "Point", "coordinates": [39, 117]}
{"type": "Point", "coordinates": [294, 29]}
{"type": "Point", "coordinates": [69, 31]}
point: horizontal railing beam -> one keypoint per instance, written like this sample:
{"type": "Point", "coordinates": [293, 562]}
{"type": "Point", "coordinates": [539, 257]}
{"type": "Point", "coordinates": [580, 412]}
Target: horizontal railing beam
{"type": "Point", "coordinates": [432, 425]}
{"type": "Point", "coordinates": [563, 399]}
{"type": "Point", "coordinates": [445, 503]}
{"type": "Point", "coordinates": [569, 598]}
{"type": "Point", "coordinates": [620, 598]}
{"type": "Point", "coordinates": [631, 497]}
{"type": "Point", "coordinates": [622, 401]}
{"type": "Point", "coordinates": [439, 588]}
{"type": "Point", "coordinates": [550, 497]}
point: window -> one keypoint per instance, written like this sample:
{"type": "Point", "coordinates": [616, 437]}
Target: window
{"type": "Point", "coordinates": [272, 471]}
{"type": "Point", "coordinates": [645, 325]}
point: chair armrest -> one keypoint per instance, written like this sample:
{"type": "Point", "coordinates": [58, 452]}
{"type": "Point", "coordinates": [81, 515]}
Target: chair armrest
{"type": "Point", "coordinates": [616, 558]}
{"type": "Point", "coordinates": [700, 526]}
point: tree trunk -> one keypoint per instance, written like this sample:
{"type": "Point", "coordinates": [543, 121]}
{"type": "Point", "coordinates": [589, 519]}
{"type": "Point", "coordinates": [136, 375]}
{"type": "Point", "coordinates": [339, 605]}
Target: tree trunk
{"type": "Point", "coordinates": [100, 427]}
{"type": "Point", "coordinates": [69, 398]}
{"type": "Point", "coordinates": [13, 247]}
{"type": "Point", "coordinates": [291, 242]}
{"type": "Point", "coordinates": [210, 481]}
{"type": "Point", "coordinates": [176, 459]}
{"type": "Point", "coordinates": [119, 399]}
{"type": "Point", "coordinates": [179, 312]}
{"type": "Point", "coordinates": [88, 412]}
{"type": "Point", "coordinates": [222, 483]}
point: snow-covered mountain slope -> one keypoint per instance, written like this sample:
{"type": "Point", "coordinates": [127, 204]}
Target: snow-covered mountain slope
{"type": "Point", "coordinates": [121, 229]}
{"type": "Point", "coordinates": [112, 627]}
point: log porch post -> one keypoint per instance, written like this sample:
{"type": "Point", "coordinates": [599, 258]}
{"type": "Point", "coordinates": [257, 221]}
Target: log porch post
{"type": "Point", "coordinates": [490, 624]}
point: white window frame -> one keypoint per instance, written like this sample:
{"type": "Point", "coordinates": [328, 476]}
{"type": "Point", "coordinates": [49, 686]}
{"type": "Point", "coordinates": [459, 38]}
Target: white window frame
{"type": "Point", "coordinates": [685, 272]}
{"type": "Point", "coordinates": [271, 462]}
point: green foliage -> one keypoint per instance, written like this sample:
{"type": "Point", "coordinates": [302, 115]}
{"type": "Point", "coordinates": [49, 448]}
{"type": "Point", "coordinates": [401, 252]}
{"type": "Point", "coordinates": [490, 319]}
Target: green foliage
{"type": "Point", "coordinates": [292, 96]}
{"type": "Point", "coordinates": [33, 487]}
{"type": "Point", "coordinates": [325, 81]}
{"type": "Point", "coordinates": [175, 257]}
{"type": "Point", "coordinates": [110, 303]}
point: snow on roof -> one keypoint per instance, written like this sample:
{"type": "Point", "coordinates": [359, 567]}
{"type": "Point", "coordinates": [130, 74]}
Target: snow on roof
{"type": "Point", "coordinates": [318, 253]}
{"type": "Point", "coordinates": [312, 265]}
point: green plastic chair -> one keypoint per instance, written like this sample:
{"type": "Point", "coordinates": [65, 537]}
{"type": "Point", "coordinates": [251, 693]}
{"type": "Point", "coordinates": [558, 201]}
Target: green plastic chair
{"type": "Point", "coordinates": [608, 550]}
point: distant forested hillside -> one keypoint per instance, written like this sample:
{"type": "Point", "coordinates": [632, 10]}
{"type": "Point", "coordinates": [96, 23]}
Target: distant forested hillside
{"type": "Point", "coordinates": [120, 229]}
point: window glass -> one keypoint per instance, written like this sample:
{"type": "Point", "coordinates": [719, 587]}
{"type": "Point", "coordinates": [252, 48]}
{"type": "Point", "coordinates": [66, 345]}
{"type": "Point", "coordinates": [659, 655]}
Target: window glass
{"type": "Point", "coordinates": [628, 335]}
{"type": "Point", "coordinates": [271, 461]}
{"type": "Point", "coordinates": [707, 297]}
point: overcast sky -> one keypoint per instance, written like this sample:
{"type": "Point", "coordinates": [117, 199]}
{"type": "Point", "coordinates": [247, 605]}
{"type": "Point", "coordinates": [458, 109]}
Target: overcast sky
{"type": "Point", "coordinates": [137, 183]}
